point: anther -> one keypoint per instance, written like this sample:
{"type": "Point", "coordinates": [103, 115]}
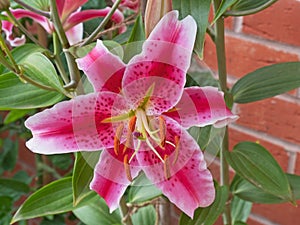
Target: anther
{"type": "Point", "coordinates": [176, 152]}
{"type": "Point", "coordinates": [132, 123]}
{"type": "Point", "coordinates": [129, 137]}
{"type": "Point", "coordinates": [127, 168]}
{"type": "Point", "coordinates": [162, 131]}
{"type": "Point", "coordinates": [117, 138]}
{"type": "Point", "coordinates": [167, 167]}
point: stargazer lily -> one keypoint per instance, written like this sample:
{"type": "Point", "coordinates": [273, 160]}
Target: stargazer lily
{"type": "Point", "coordinates": [71, 17]}
{"type": "Point", "coordinates": [138, 114]}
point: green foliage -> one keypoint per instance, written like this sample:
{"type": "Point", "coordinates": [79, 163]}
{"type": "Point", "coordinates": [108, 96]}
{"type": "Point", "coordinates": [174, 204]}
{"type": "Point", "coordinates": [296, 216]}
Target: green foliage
{"type": "Point", "coordinates": [267, 82]}
{"type": "Point", "coordinates": [199, 10]}
{"type": "Point", "coordinates": [249, 192]}
{"type": "Point", "coordinates": [138, 32]}
{"type": "Point", "coordinates": [146, 214]}
{"type": "Point", "coordinates": [225, 4]}
{"type": "Point", "coordinates": [247, 7]}
{"type": "Point", "coordinates": [18, 95]}
{"type": "Point", "coordinates": [240, 210]}
{"type": "Point", "coordinates": [208, 215]}
{"type": "Point", "coordinates": [255, 164]}
{"type": "Point", "coordinates": [142, 190]}
{"type": "Point", "coordinates": [83, 173]}
{"type": "Point", "coordinates": [16, 114]}
{"type": "Point", "coordinates": [39, 4]}
{"type": "Point", "coordinates": [8, 156]}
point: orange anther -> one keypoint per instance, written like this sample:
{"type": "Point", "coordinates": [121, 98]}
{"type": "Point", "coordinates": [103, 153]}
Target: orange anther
{"type": "Point", "coordinates": [167, 167]}
{"type": "Point", "coordinates": [127, 168]}
{"type": "Point", "coordinates": [117, 138]}
{"type": "Point", "coordinates": [176, 140]}
{"type": "Point", "coordinates": [162, 131]}
{"type": "Point", "coordinates": [132, 123]}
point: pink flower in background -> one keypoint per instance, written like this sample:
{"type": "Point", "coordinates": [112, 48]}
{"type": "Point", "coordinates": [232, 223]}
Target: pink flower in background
{"type": "Point", "coordinates": [131, 4]}
{"type": "Point", "coordinates": [71, 16]}
{"type": "Point", "coordinates": [138, 114]}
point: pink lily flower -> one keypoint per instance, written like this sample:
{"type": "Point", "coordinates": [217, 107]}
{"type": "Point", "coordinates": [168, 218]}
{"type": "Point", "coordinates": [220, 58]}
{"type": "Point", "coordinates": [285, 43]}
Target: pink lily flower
{"type": "Point", "coordinates": [131, 4]}
{"type": "Point", "coordinates": [138, 115]}
{"type": "Point", "coordinates": [71, 16]}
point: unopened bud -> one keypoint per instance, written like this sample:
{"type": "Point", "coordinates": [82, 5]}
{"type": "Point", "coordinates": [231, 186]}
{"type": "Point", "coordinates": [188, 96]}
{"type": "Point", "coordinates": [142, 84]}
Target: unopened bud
{"type": "Point", "coordinates": [4, 5]}
{"type": "Point", "coordinates": [155, 10]}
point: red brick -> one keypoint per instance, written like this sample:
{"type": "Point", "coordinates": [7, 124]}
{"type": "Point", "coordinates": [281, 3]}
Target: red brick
{"type": "Point", "coordinates": [278, 152]}
{"type": "Point", "coordinates": [279, 22]}
{"type": "Point", "coordinates": [244, 56]}
{"type": "Point", "coordinates": [283, 214]}
{"type": "Point", "coordinates": [274, 116]}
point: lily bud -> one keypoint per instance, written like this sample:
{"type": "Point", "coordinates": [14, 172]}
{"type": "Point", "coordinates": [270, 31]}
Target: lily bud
{"type": "Point", "coordinates": [155, 10]}
{"type": "Point", "coordinates": [4, 5]}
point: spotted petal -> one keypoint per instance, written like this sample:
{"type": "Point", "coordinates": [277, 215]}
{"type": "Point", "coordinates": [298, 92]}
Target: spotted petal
{"type": "Point", "coordinates": [202, 106]}
{"type": "Point", "coordinates": [160, 69]}
{"type": "Point", "coordinates": [76, 125]}
{"type": "Point", "coordinates": [190, 184]}
{"type": "Point", "coordinates": [103, 69]}
{"type": "Point", "coordinates": [110, 180]}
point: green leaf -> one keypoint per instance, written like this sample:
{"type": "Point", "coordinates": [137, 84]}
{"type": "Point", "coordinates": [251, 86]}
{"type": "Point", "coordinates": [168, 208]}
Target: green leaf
{"type": "Point", "coordinates": [97, 212]}
{"type": "Point", "coordinates": [225, 4]}
{"type": "Point", "coordinates": [39, 4]}
{"type": "Point", "coordinates": [51, 199]}
{"type": "Point", "coordinates": [267, 82]}
{"type": "Point", "coordinates": [39, 68]}
{"type": "Point", "coordinates": [83, 174]}
{"type": "Point", "coordinates": [240, 210]}
{"type": "Point", "coordinates": [255, 164]}
{"type": "Point", "coordinates": [5, 209]}
{"type": "Point", "coordinates": [13, 188]}
{"type": "Point", "coordinates": [9, 154]}
{"type": "Point", "coordinates": [208, 215]}
{"type": "Point", "coordinates": [21, 52]}
{"type": "Point", "coordinates": [239, 223]}
{"type": "Point", "coordinates": [247, 7]}
{"type": "Point", "coordinates": [145, 216]}
{"type": "Point", "coordinates": [15, 94]}
{"type": "Point", "coordinates": [247, 191]}
{"type": "Point", "coordinates": [199, 10]}
{"type": "Point", "coordinates": [61, 161]}
{"type": "Point", "coordinates": [16, 114]}
{"type": "Point", "coordinates": [138, 32]}
{"type": "Point", "coordinates": [142, 190]}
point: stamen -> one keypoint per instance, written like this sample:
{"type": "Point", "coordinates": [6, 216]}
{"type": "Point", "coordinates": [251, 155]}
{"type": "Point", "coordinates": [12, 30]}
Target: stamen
{"type": "Point", "coordinates": [117, 138]}
{"type": "Point", "coordinates": [162, 131]}
{"type": "Point", "coordinates": [127, 168]}
{"type": "Point", "coordinates": [154, 150]}
{"type": "Point", "coordinates": [176, 139]}
{"type": "Point", "coordinates": [132, 123]}
{"type": "Point", "coordinates": [129, 137]}
{"type": "Point", "coordinates": [167, 167]}
{"type": "Point", "coordinates": [136, 150]}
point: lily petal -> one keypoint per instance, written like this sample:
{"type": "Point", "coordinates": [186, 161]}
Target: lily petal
{"type": "Point", "coordinates": [76, 125]}
{"type": "Point", "coordinates": [69, 6]}
{"type": "Point", "coordinates": [110, 180]}
{"type": "Point", "coordinates": [202, 106]}
{"type": "Point", "coordinates": [103, 69]}
{"type": "Point", "coordinates": [162, 65]}
{"type": "Point", "coordinates": [82, 16]}
{"type": "Point", "coordinates": [7, 26]}
{"type": "Point", "coordinates": [75, 34]}
{"type": "Point", "coordinates": [190, 184]}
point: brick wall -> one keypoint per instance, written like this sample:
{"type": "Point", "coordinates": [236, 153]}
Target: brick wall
{"type": "Point", "coordinates": [271, 36]}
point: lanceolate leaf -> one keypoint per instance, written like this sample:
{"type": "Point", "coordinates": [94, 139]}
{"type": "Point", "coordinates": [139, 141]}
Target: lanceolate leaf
{"type": "Point", "coordinates": [247, 191]}
{"type": "Point", "coordinates": [210, 214]}
{"type": "Point", "coordinates": [225, 4]}
{"type": "Point", "coordinates": [15, 94]}
{"type": "Point", "coordinates": [267, 82]}
{"type": "Point", "coordinates": [83, 174]}
{"type": "Point", "coordinates": [246, 7]}
{"type": "Point", "coordinates": [255, 164]}
{"type": "Point", "coordinates": [145, 216]}
{"type": "Point", "coordinates": [51, 199]}
{"type": "Point", "coordinates": [199, 9]}
{"type": "Point", "coordinates": [137, 33]}
{"type": "Point", "coordinates": [240, 210]}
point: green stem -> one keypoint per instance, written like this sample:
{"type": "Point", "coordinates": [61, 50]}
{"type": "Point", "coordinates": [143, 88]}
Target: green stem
{"type": "Point", "coordinates": [221, 58]}
{"type": "Point", "coordinates": [72, 66]}
{"type": "Point", "coordinates": [9, 55]}
{"type": "Point", "coordinates": [5, 63]}
{"type": "Point", "coordinates": [125, 212]}
{"type": "Point", "coordinates": [22, 28]}
{"type": "Point", "coordinates": [102, 24]}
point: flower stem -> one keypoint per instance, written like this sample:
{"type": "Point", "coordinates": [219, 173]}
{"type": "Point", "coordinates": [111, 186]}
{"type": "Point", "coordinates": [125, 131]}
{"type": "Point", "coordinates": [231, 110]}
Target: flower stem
{"type": "Point", "coordinates": [222, 71]}
{"type": "Point", "coordinates": [102, 24]}
{"type": "Point", "coordinates": [73, 69]}
{"type": "Point", "coordinates": [125, 212]}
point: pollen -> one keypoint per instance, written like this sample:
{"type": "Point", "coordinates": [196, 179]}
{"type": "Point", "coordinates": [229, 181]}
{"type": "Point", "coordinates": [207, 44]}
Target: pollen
{"type": "Point", "coordinates": [176, 152]}
{"type": "Point", "coordinates": [167, 171]}
{"type": "Point", "coordinates": [162, 131]}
